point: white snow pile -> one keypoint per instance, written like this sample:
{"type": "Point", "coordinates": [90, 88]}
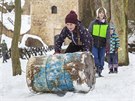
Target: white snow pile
{"type": "Point", "coordinates": [26, 36]}
{"type": "Point", "coordinates": [22, 43]}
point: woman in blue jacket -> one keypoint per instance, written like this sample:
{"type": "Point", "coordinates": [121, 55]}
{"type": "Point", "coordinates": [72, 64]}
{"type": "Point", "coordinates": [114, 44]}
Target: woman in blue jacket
{"type": "Point", "coordinates": [81, 40]}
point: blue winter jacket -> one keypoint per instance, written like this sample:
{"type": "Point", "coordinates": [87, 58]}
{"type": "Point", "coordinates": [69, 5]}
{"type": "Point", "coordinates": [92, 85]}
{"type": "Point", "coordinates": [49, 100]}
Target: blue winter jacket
{"type": "Point", "coordinates": [84, 37]}
{"type": "Point", "coordinates": [114, 42]}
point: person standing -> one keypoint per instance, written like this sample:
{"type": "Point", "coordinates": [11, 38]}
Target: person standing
{"type": "Point", "coordinates": [99, 29]}
{"type": "Point", "coordinates": [81, 40]}
{"type": "Point", "coordinates": [4, 50]}
{"type": "Point", "coordinates": [113, 50]}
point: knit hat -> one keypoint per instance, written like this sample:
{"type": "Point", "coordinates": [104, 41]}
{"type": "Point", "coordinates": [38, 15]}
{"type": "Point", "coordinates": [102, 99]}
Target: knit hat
{"type": "Point", "coordinates": [112, 26]}
{"type": "Point", "coordinates": [101, 9]}
{"type": "Point", "coordinates": [3, 41]}
{"type": "Point", "coordinates": [71, 17]}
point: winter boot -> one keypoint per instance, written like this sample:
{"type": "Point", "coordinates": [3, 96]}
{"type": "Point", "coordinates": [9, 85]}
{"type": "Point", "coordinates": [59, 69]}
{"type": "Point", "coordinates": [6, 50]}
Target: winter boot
{"type": "Point", "coordinates": [96, 68]}
{"type": "Point", "coordinates": [99, 73]}
{"type": "Point", "coordinates": [111, 71]}
{"type": "Point", "coordinates": [115, 70]}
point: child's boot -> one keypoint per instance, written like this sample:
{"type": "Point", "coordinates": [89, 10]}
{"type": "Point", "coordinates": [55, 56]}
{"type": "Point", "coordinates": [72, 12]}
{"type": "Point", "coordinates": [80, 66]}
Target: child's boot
{"type": "Point", "coordinates": [99, 73]}
{"type": "Point", "coordinates": [111, 71]}
{"type": "Point", "coordinates": [115, 70]}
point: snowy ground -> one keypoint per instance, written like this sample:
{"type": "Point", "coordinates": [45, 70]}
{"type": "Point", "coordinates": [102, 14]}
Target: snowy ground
{"type": "Point", "coordinates": [111, 87]}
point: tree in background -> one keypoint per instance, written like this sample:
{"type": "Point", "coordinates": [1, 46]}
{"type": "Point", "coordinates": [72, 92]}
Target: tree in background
{"type": "Point", "coordinates": [131, 10]}
{"type": "Point", "coordinates": [16, 66]}
{"type": "Point", "coordinates": [1, 23]}
{"type": "Point", "coordinates": [88, 10]}
{"type": "Point", "coordinates": [119, 18]}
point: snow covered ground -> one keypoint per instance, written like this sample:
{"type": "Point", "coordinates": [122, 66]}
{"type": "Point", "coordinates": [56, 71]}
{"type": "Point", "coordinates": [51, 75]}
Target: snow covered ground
{"type": "Point", "coordinates": [111, 87]}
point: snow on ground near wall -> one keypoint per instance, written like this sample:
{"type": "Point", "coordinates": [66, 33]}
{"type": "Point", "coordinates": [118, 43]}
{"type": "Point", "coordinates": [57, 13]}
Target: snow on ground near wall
{"type": "Point", "coordinates": [111, 87]}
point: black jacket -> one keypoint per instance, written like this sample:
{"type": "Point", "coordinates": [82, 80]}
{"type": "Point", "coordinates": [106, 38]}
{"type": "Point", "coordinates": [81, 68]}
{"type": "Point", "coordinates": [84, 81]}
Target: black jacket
{"type": "Point", "coordinates": [85, 38]}
{"type": "Point", "coordinates": [97, 40]}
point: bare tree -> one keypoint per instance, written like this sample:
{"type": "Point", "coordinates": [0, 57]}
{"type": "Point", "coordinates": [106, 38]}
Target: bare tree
{"type": "Point", "coordinates": [131, 10]}
{"type": "Point", "coordinates": [1, 23]}
{"type": "Point", "coordinates": [88, 10]}
{"type": "Point", "coordinates": [118, 12]}
{"type": "Point", "coordinates": [107, 4]}
{"type": "Point", "coordinates": [16, 67]}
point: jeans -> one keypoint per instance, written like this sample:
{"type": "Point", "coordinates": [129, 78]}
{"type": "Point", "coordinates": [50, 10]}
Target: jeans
{"type": "Point", "coordinates": [99, 54]}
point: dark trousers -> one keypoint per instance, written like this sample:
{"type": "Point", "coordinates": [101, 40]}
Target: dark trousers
{"type": "Point", "coordinates": [4, 54]}
{"type": "Point", "coordinates": [113, 59]}
{"type": "Point", "coordinates": [73, 48]}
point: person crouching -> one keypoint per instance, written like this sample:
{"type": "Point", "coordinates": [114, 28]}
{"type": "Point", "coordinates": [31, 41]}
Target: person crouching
{"type": "Point", "coordinates": [81, 40]}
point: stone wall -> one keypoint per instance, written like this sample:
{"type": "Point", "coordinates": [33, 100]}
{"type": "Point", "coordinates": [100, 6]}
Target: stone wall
{"type": "Point", "coordinates": [26, 8]}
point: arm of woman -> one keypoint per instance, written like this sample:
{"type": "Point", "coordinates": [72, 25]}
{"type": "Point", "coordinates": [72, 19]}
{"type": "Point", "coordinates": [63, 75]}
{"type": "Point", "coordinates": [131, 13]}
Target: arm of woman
{"type": "Point", "coordinates": [60, 40]}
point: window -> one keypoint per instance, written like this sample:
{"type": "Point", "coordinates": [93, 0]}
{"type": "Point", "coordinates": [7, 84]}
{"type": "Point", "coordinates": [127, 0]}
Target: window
{"type": "Point", "coordinates": [54, 9]}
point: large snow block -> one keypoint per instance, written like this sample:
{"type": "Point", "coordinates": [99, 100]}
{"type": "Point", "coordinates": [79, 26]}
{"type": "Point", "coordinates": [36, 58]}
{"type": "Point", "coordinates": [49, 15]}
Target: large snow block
{"type": "Point", "coordinates": [61, 72]}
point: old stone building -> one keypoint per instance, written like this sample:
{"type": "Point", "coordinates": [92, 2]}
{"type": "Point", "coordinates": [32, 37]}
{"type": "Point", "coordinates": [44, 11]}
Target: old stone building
{"type": "Point", "coordinates": [48, 17]}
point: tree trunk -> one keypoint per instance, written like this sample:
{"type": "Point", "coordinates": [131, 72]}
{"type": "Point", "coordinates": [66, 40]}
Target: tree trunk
{"type": "Point", "coordinates": [107, 5]}
{"type": "Point", "coordinates": [87, 10]}
{"type": "Point", "coordinates": [14, 49]}
{"type": "Point", "coordinates": [1, 32]}
{"type": "Point", "coordinates": [131, 10]}
{"type": "Point", "coordinates": [119, 19]}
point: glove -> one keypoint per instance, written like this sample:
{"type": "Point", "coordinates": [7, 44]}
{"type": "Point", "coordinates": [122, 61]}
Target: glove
{"type": "Point", "coordinates": [57, 52]}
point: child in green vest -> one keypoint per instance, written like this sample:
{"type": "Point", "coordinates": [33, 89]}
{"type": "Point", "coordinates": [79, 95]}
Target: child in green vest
{"type": "Point", "coordinates": [99, 30]}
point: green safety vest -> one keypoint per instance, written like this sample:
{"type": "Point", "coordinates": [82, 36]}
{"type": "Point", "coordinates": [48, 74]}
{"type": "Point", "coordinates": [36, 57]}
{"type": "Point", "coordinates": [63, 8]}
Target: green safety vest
{"type": "Point", "coordinates": [100, 30]}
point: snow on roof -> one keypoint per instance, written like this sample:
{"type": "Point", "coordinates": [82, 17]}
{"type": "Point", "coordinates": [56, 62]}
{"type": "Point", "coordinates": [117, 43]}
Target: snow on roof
{"type": "Point", "coordinates": [22, 44]}
{"type": "Point", "coordinates": [26, 36]}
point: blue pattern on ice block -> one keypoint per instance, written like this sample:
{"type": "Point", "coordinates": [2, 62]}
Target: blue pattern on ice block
{"type": "Point", "coordinates": [53, 77]}
{"type": "Point", "coordinates": [58, 79]}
